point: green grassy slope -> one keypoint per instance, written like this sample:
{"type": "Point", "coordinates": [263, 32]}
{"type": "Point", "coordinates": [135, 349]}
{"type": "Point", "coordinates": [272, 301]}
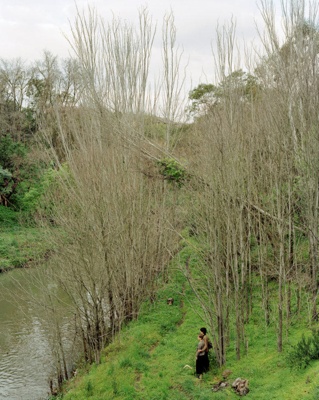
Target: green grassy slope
{"type": "Point", "coordinates": [151, 357]}
{"type": "Point", "coordinates": [19, 243]}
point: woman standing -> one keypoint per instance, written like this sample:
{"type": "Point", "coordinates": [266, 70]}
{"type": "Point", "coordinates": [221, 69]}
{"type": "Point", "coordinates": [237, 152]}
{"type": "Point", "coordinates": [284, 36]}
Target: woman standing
{"type": "Point", "coordinates": [200, 356]}
{"type": "Point", "coordinates": [203, 331]}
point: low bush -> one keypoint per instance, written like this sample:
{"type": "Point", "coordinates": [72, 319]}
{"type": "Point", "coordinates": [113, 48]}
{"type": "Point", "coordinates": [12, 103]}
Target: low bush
{"type": "Point", "coordinates": [306, 350]}
{"type": "Point", "coordinates": [173, 171]}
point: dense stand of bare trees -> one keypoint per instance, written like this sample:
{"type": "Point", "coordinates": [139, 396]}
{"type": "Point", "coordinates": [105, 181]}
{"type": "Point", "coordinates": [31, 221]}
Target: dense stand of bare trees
{"type": "Point", "coordinates": [259, 164]}
{"type": "Point", "coordinates": [114, 240]}
{"type": "Point", "coordinates": [114, 216]}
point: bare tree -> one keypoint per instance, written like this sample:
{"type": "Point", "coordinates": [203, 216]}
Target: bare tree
{"type": "Point", "coordinates": [173, 103]}
{"type": "Point", "coordinates": [253, 157]}
{"type": "Point", "coordinates": [294, 65]}
{"type": "Point", "coordinates": [14, 79]}
{"type": "Point", "coordinates": [112, 218]}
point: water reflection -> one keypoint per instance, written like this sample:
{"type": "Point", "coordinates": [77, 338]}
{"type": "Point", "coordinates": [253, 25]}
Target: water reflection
{"type": "Point", "coordinates": [25, 353]}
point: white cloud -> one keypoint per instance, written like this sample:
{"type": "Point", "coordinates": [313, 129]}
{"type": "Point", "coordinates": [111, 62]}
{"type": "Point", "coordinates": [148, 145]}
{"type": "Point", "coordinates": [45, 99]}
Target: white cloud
{"type": "Point", "coordinates": [27, 27]}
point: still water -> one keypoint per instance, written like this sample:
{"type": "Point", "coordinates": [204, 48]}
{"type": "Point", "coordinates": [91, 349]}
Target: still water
{"type": "Point", "coordinates": [25, 360]}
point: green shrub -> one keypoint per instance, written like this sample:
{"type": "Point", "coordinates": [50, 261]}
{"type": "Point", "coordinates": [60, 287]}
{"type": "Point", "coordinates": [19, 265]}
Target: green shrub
{"type": "Point", "coordinates": [30, 199]}
{"type": "Point", "coordinates": [13, 168]}
{"type": "Point", "coordinates": [173, 171]}
{"type": "Point", "coordinates": [304, 351]}
{"type": "Point", "coordinates": [32, 196]}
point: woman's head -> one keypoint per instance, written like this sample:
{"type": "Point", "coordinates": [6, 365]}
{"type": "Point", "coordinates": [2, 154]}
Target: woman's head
{"type": "Point", "coordinates": [203, 330]}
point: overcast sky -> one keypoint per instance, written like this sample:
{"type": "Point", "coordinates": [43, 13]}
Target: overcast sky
{"type": "Point", "coordinates": [28, 27]}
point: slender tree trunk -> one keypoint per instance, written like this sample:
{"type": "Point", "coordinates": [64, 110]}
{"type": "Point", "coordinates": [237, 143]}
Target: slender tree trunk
{"type": "Point", "coordinates": [280, 296]}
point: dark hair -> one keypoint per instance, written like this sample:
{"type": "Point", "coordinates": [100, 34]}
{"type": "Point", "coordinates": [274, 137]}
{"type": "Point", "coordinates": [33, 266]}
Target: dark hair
{"type": "Point", "coordinates": [203, 330]}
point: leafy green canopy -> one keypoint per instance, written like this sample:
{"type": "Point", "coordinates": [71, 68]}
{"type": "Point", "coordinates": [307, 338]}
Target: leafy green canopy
{"type": "Point", "coordinates": [205, 96]}
{"type": "Point", "coordinates": [19, 176]}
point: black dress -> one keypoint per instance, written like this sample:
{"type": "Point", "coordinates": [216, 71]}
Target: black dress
{"type": "Point", "coordinates": [200, 359]}
{"type": "Point", "coordinates": [200, 365]}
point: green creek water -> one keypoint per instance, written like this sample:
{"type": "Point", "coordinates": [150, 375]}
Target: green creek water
{"type": "Point", "coordinates": [25, 353]}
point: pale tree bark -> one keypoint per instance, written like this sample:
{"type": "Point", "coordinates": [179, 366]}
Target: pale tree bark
{"type": "Point", "coordinates": [115, 60]}
{"type": "Point", "coordinates": [295, 68]}
{"type": "Point", "coordinates": [174, 79]}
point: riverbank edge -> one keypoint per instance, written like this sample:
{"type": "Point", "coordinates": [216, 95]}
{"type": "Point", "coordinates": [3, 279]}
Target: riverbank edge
{"type": "Point", "coordinates": [22, 245]}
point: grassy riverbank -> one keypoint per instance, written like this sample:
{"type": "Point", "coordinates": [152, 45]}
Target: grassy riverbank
{"type": "Point", "coordinates": [20, 243]}
{"type": "Point", "coordinates": [153, 358]}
